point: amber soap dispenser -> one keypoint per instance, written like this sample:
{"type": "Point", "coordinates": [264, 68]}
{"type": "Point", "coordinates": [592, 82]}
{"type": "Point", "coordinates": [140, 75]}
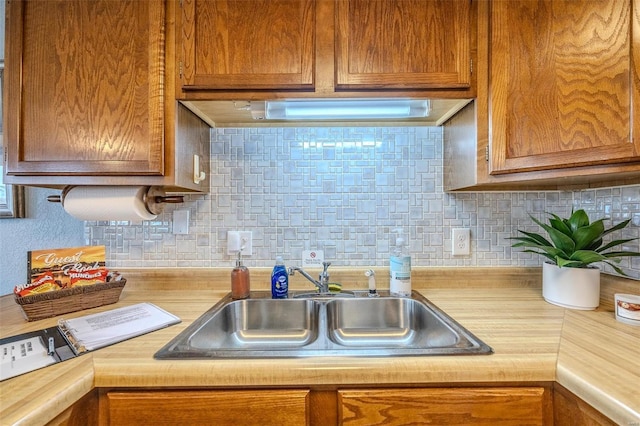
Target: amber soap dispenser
{"type": "Point", "coordinates": [240, 286]}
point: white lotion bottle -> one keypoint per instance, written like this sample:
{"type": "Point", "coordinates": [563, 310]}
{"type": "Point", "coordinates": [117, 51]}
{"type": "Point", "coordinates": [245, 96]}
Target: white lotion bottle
{"type": "Point", "coordinates": [400, 268]}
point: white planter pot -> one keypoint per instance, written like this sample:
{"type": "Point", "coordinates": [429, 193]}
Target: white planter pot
{"type": "Point", "coordinates": [574, 288]}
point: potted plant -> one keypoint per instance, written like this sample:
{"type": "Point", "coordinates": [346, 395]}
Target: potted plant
{"type": "Point", "coordinates": [568, 277]}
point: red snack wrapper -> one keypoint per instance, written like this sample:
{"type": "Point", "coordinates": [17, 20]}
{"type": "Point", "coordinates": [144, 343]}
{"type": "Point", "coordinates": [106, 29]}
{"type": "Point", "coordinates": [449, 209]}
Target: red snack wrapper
{"type": "Point", "coordinates": [43, 283]}
{"type": "Point", "coordinates": [87, 276]}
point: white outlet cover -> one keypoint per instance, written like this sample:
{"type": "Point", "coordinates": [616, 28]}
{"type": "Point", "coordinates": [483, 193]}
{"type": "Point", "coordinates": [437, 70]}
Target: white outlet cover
{"type": "Point", "coordinates": [233, 242]}
{"type": "Point", "coordinates": [180, 222]}
{"type": "Point", "coordinates": [246, 242]}
{"type": "Point", "coordinates": [240, 239]}
{"type": "Point", "coordinates": [460, 241]}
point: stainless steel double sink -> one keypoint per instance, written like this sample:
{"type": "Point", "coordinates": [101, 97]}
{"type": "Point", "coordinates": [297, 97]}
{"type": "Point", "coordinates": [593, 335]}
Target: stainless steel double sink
{"type": "Point", "coordinates": [322, 325]}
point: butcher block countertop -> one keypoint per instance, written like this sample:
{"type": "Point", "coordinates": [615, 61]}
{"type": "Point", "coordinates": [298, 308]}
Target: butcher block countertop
{"type": "Point", "coordinates": [587, 352]}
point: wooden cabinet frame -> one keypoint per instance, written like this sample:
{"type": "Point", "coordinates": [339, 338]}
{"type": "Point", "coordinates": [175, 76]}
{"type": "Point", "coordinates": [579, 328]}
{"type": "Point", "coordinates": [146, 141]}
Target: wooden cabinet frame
{"type": "Point", "coordinates": [83, 98]}
{"type": "Point", "coordinates": [576, 104]}
{"type": "Point", "coordinates": [222, 45]}
{"type": "Point", "coordinates": [481, 404]}
{"type": "Point", "coordinates": [365, 53]}
{"type": "Point", "coordinates": [471, 147]}
{"type": "Point", "coordinates": [326, 52]}
{"type": "Point", "coordinates": [137, 135]}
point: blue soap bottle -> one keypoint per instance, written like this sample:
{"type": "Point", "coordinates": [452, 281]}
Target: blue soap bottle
{"type": "Point", "coordinates": [279, 280]}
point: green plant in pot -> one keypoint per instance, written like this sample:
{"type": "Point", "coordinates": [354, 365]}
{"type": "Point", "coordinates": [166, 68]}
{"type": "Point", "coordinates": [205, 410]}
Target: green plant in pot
{"type": "Point", "coordinates": [568, 278]}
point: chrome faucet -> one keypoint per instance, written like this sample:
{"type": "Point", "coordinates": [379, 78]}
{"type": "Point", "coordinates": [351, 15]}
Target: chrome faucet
{"type": "Point", "coordinates": [322, 283]}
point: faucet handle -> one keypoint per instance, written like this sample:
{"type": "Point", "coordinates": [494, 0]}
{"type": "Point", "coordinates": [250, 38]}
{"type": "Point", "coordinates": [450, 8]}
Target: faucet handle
{"type": "Point", "coordinates": [324, 276]}
{"type": "Point", "coordinates": [325, 272]}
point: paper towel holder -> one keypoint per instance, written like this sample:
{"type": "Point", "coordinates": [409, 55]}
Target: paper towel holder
{"type": "Point", "coordinates": [154, 197]}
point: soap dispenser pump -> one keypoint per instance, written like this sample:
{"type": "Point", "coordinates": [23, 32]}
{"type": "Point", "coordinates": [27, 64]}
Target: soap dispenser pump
{"type": "Point", "coordinates": [400, 268]}
{"type": "Point", "coordinates": [240, 284]}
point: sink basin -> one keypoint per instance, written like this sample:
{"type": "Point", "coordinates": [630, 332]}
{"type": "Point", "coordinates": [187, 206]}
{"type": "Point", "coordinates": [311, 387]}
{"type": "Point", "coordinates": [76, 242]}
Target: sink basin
{"type": "Point", "coordinates": [261, 327]}
{"type": "Point", "coordinates": [258, 324]}
{"type": "Point", "coordinates": [387, 323]}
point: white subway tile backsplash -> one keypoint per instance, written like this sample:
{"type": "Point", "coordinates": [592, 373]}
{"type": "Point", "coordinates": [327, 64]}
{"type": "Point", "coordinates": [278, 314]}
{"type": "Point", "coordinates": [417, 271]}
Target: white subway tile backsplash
{"type": "Point", "coordinates": [344, 190]}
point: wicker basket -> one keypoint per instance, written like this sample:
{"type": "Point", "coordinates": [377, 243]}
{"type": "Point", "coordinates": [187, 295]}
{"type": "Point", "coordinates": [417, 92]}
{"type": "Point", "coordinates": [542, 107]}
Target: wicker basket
{"type": "Point", "coordinates": [50, 304]}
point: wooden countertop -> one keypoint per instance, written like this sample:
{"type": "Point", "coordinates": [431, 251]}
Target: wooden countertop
{"type": "Point", "coordinates": [588, 352]}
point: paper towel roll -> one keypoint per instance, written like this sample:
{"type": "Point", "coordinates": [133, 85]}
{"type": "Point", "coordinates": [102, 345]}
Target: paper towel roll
{"type": "Point", "coordinates": [107, 203]}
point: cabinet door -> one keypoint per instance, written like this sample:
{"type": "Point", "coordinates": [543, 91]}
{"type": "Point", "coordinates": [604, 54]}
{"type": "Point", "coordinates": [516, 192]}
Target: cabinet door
{"type": "Point", "coordinates": [83, 412]}
{"type": "Point", "coordinates": [223, 407]}
{"type": "Point", "coordinates": [84, 85]}
{"type": "Point", "coordinates": [403, 44]}
{"type": "Point", "coordinates": [564, 88]}
{"type": "Point", "coordinates": [239, 44]}
{"type": "Point", "coordinates": [446, 406]}
{"type": "Point", "coordinates": [569, 410]}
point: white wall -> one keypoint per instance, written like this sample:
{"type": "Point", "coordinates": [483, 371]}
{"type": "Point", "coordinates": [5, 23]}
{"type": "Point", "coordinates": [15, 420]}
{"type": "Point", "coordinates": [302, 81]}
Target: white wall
{"type": "Point", "coordinates": [46, 225]}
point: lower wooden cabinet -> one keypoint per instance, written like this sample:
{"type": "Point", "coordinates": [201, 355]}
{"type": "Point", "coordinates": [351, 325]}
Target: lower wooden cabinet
{"type": "Point", "coordinates": [517, 406]}
{"type": "Point", "coordinates": [83, 412]}
{"type": "Point", "coordinates": [389, 406]}
{"type": "Point", "coordinates": [547, 404]}
{"type": "Point", "coordinates": [569, 410]}
{"type": "Point", "coordinates": [220, 407]}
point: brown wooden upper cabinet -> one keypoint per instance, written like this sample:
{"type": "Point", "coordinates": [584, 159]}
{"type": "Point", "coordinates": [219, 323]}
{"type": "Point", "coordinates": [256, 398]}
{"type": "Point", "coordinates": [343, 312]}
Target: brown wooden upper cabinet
{"type": "Point", "coordinates": [403, 44]}
{"type": "Point", "coordinates": [88, 94]}
{"type": "Point", "coordinates": [316, 48]}
{"type": "Point", "coordinates": [564, 84]}
{"type": "Point", "coordinates": [231, 44]}
{"type": "Point", "coordinates": [86, 99]}
{"type": "Point", "coordinates": [558, 98]}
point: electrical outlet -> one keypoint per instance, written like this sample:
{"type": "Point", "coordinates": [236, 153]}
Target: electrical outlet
{"type": "Point", "coordinates": [246, 241]}
{"type": "Point", "coordinates": [180, 222]}
{"type": "Point", "coordinates": [238, 239]}
{"type": "Point", "coordinates": [460, 241]}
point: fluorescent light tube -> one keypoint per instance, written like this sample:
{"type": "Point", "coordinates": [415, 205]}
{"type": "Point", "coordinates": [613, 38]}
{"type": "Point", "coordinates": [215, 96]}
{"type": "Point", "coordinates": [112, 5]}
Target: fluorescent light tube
{"type": "Point", "coordinates": [346, 109]}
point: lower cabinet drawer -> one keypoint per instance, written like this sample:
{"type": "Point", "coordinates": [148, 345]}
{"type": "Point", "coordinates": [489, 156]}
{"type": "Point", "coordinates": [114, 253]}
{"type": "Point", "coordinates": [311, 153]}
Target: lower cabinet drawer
{"type": "Point", "coordinates": [446, 406]}
{"type": "Point", "coordinates": [224, 407]}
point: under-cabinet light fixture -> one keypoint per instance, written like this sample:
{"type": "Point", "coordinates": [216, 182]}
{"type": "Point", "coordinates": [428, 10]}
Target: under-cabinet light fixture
{"type": "Point", "coordinates": [340, 109]}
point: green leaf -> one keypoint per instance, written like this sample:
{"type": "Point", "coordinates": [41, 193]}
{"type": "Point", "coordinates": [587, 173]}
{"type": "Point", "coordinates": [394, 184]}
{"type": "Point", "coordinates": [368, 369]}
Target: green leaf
{"type": "Point", "coordinates": [551, 258]}
{"type": "Point", "coordinates": [615, 243]}
{"type": "Point", "coordinates": [578, 219]}
{"type": "Point", "coordinates": [560, 240]}
{"type": "Point", "coordinates": [526, 241]}
{"type": "Point", "coordinates": [551, 250]}
{"type": "Point", "coordinates": [558, 224]}
{"type": "Point", "coordinates": [613, 254]}
{"type": "Point", "coordinates": [618, 226]}
{"type": "Point", "coordinates": [616, 268]}
{"type": "Point", "coordinates": [533, 237]}
{"type": "Point", "coordinates": [569, 263]}
{"type": "Point", "coordinates": [587, 257]}
{"type": "Point", "coordinates": [586, 235]}
{"type": "Point", "coordinates": [537, 221]}
{"type": "Point", "coordinates": [594, 246]}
